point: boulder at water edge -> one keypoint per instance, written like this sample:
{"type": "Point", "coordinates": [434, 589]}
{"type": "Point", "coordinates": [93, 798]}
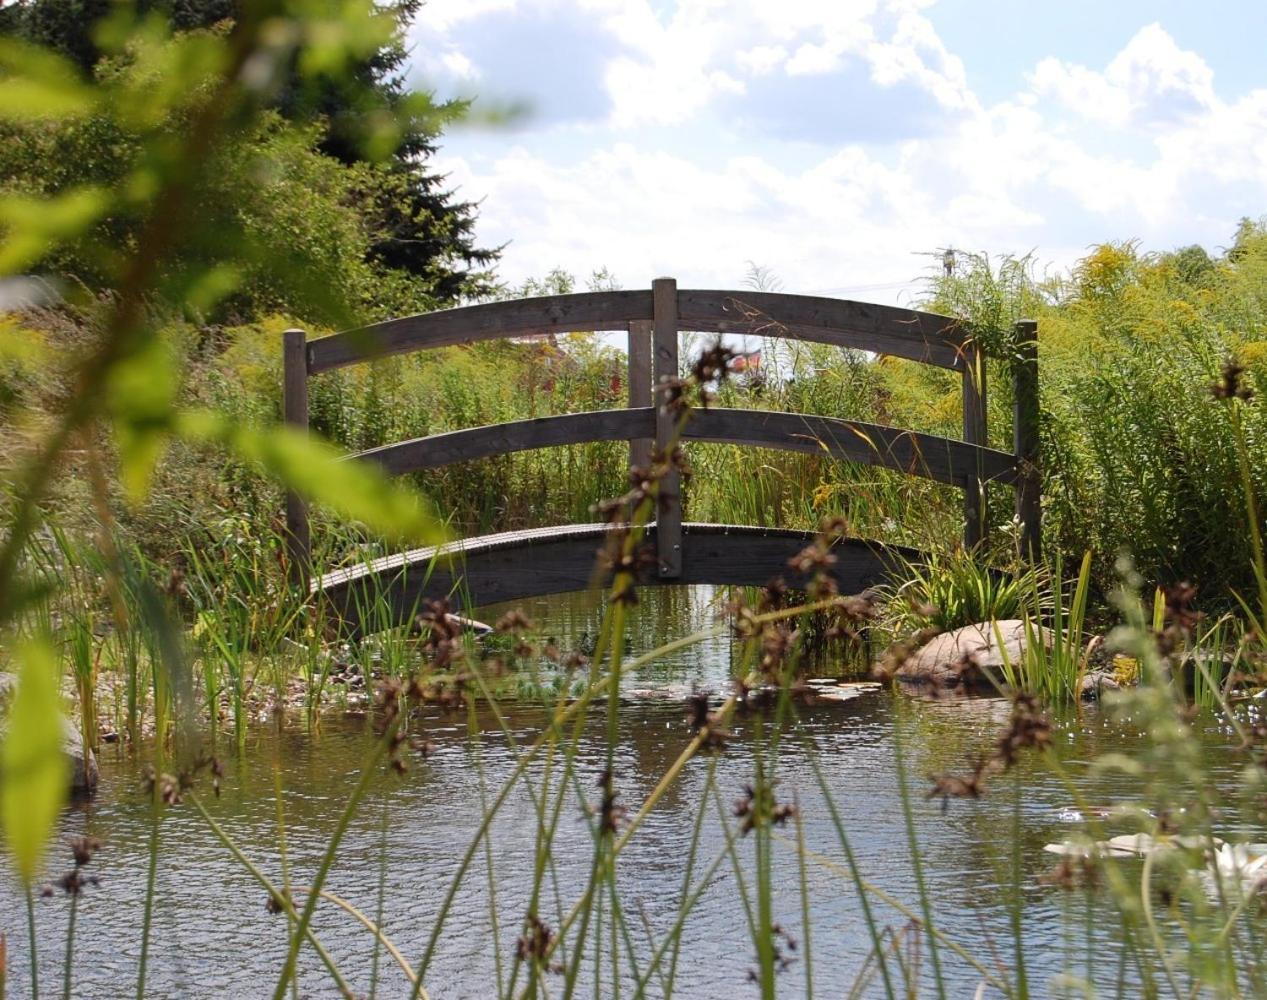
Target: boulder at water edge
{"type": "Point", "coordinates": [83, 763]}
{"type": "Point", "coordinates": [968, 660]}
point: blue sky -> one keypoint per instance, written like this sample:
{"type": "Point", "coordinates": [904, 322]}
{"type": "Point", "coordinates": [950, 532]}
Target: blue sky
{"type": "Point", "coordinates": [836, 142]}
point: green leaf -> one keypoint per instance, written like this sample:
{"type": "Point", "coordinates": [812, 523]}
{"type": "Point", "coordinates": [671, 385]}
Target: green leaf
{"type": "Point", "coordinates": [33, 226]}
{"type": "Point", "coordinates": [206, 289]}
{"type": "Point", "coordinates": [357, 490]}
{"type": "Point", "coordinates": [141, 396]}
{"type": "Point", "coordinates": [331, 44]}
{"type": "Point", "coordinates": [34, 775]}
{"type": "Point", "coordinates": [39, 85]}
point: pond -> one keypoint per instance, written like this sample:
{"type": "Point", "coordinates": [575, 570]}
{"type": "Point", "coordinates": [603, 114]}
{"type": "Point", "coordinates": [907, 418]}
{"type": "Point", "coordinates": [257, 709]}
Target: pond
{"type": "Point", "coordinates": [212, 934]}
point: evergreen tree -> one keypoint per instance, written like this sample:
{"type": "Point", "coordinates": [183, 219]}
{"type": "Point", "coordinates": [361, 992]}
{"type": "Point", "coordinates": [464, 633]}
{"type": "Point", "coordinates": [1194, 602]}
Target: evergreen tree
{"type": "Point", "coordinates": [416, 226]}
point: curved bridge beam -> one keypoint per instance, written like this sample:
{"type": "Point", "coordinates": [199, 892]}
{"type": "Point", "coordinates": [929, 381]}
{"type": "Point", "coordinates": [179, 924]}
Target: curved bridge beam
{"type": "Point", "coordinates": [906, 333]}
{"type": "Point", "coordinates": [940, 459]}
{"type": "Point", "coordinates": [519, 435]}
{"type": "Point", "coordinates": [487, 321]}
{"type": "Point", "coordinates": [521, 564]}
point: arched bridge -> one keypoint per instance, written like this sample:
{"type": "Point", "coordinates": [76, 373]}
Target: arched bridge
{"type": "Point", "coordinates": [520, 564]}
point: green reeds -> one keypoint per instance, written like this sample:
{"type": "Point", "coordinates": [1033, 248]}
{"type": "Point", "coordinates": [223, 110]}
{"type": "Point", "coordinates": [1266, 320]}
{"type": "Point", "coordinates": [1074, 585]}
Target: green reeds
{"type": "Point", "coordinates": [84, 662]}
{"type": "Point", "coordinates": [957, 587]}
{"type": "Point", "coordinates": [1055, 659]}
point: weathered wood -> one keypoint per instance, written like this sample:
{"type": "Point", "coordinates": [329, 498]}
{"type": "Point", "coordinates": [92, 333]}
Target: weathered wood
{"type": "Point", "coordinates": [974, 432]}
{"type": "Point", "coordinates": [640, 394]}
{"type": "Point", "coordinates": [943, 460]}
{"type": "Point", "coordinates": [1025, 436]}
{"type": "Point", "coordinates": [940, 459]}
{"type": "Point", "coordinates": [525, 564]}
{"type": "Point", "coordinates": [669, 497]}
{"type": "Point", "coordinates": [487, 321]}
{"type": "Point", "coordinates": [905, 333]}
{"type": "Point", "coordinates": [522, 564]}
{"type": "Point", "coordinates": [295, 414]}
{"type": "Point", "coordinates": [520, 435]}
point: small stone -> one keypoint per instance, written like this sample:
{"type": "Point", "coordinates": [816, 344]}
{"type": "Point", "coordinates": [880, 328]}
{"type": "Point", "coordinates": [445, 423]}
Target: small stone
{"type": "Point", "coordinates": [1095, 683]}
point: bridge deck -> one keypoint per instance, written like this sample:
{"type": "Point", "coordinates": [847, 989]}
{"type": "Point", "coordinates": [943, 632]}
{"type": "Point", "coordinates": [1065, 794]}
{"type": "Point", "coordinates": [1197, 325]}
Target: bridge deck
{"type": "Point", "coordinates": [516, 565]}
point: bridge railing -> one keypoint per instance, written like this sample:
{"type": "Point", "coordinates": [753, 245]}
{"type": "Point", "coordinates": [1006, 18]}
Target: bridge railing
{"type": "Point", "coordinates": [653, 320]}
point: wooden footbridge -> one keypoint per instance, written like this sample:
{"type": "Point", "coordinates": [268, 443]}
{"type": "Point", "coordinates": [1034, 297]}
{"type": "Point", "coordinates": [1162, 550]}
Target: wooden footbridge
{"type": "Point", "coordinates": [521, 564]}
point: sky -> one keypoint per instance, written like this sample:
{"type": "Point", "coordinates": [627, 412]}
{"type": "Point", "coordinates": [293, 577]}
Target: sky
{"type": "Point", "coordinates": [838, 144]}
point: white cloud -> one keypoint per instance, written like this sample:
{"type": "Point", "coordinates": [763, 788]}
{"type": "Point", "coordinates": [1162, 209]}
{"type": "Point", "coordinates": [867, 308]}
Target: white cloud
{"type": "Point", "coordinates": [458, 65]}
{"type": "Point", "coordinates": [832, 140]}
{"type": "Point", "coordinates": [663, 91]}
{"type": "Point", "coordinates": [657, 69]}
{"type": "Point", "coordinates": [814, 59]}
{"type": "Point", "coordinates": [916, 53]}
{"type": "Point", "coordinates": [847, 220]}
{"type": "Point", "coordinates": [762, 59]}
{"type": "Point", "coordinates": [1151, 81]}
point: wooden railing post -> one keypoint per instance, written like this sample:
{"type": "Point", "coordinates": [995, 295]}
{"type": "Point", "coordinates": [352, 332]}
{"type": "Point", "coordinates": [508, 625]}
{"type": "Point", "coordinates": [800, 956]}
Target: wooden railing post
{"type": "Point", "coordinates": [1026, 439]}
{"type": "Point", "coordinates": [974, 432]}
{"type": "Point", "coordinates": [669, 500]}
{"type": "Point", "coordinates": [295, 414]}
{"type": "Point", "coordinates": [640, 394]}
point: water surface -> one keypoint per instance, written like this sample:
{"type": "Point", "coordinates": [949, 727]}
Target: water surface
{"type": "Point", "coordinates": [212, 934]}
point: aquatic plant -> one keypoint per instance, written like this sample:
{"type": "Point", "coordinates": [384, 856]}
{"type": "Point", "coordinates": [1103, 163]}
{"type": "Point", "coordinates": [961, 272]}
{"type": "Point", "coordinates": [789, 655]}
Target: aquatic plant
{"type": "Point", "coordinates": [955, 587]}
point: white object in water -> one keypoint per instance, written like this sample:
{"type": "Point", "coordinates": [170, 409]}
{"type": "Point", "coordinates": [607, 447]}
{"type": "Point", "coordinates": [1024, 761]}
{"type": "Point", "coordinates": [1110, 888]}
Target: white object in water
{"type": "Point", "coordinates": [1133, 844]}
{"type": "Point", "coordinates": [829, 690]}
{"type": "Point", "coordinates": [1241, 865]}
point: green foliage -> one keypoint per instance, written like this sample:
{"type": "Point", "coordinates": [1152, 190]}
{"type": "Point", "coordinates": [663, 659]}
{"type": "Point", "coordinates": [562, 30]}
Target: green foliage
{"type": "Point", "coordinates": [347, 103]}
{"type": "Point", "coordinates": [1137, 454]}
{"type": "Point", "coordinates": [959, 587]}
{"type": "Point", "coordinates": [174, 203]}
{"type": "Point", "coordinates": [35, 776]}
{"type": "Point", "coordinates": [357, 491]}
{"type": "Point", "coordinates": [305, 220]}
{"type": "Point", "coordinates": [1055, 655]}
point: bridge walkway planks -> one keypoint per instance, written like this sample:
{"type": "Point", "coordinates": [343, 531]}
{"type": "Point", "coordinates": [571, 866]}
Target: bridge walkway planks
{"type": "Point", "coordinates": [517, 565]}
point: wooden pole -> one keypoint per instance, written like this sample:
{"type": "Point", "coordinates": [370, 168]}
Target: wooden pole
{"type": "Point", "coordinates": [1026, 439]}
{"type": "Point", "coordinates": [640, 394]}
{"type": "Point", "coordinates": [974, 432]}
{"type": "Point", "coordinates": [669, 501]}
{"type": "Point", "coordinates": [295, 414]}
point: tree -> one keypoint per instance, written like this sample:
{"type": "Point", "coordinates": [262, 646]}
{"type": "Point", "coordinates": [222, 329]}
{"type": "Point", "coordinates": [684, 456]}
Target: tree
{"type": "Point", "coordinates": [417, 231]}
{"type": "Point", "coordinates": [417, 225]}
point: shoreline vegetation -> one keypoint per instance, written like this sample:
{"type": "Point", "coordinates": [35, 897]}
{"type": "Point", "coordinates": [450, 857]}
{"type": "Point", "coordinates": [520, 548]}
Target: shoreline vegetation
{"type": "Point", "coordinates": [143, 568]}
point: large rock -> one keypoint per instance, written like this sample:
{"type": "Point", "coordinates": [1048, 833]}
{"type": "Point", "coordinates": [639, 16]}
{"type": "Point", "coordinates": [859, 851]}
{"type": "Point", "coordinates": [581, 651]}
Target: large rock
{"type": "Point", "coordinates": [968, 660]}
{"type": "Point", "coordinates": [83, 763]}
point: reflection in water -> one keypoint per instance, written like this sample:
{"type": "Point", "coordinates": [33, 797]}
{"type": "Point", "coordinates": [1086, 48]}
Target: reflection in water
{"type": "Point", "coordinates": [213, 935]}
